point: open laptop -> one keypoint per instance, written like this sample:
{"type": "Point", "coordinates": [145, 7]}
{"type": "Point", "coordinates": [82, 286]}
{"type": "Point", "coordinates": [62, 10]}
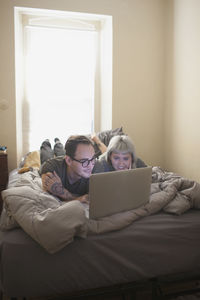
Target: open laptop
{"type": "Point", "coordinates": [118, 191]}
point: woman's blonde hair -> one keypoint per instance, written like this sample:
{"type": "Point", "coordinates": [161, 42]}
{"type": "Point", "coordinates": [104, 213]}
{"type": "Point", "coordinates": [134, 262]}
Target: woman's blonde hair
{"type": "Point", "coordinates": [121, 144]}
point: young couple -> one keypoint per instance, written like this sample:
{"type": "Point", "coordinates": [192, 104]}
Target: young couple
{"type": "Point", "coordinates": [68, 177]}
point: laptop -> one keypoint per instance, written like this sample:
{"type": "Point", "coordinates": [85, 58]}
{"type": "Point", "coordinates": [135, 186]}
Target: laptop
{"type": "Point", "coordinates": [118, 191]}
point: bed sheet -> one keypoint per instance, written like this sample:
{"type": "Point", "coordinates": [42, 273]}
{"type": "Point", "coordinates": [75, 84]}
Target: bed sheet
{"type": "Point", "coordinates": [157, 245]}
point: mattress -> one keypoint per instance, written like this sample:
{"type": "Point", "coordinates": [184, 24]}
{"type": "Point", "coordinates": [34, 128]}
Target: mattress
{"type": "Point", "coordinates": [152, 247]}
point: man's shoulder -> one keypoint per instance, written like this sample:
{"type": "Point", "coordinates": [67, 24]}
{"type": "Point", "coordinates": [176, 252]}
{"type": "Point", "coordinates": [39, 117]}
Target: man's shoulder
{"type": "Point", "coordinates": [52, 164]}
{"type": "Point", "coordinates": [55, 161]}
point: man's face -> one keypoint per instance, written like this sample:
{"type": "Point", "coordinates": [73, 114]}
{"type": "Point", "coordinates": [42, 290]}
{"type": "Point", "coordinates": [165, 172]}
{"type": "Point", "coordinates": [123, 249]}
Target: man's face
{"type": "Point", "coordinates": [82, 154]}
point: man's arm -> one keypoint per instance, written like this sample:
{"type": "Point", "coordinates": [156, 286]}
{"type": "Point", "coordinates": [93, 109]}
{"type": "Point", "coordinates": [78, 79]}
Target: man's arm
{"type": "Point", "coordinates": [52, 183]}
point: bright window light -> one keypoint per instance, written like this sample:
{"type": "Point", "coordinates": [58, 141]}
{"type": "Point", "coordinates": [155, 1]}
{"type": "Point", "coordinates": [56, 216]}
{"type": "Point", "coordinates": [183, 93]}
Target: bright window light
{"type": "Point", "coordinates": [60, 78]}
{"type": "Point", "coordinates": [63, 71]}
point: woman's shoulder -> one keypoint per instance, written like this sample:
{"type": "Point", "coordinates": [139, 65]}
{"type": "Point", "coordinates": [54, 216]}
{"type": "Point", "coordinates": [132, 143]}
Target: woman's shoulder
{"type": "Point", "coordinates": [102, 165]}
{"type": "Point", "coordinates": [140, 163]}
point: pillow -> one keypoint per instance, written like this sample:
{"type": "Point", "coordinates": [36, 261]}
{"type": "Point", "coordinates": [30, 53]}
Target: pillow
{"type": "Point", "coordinates": [105, 136]}
{"type": "Point", "coordinates": [32, 160]}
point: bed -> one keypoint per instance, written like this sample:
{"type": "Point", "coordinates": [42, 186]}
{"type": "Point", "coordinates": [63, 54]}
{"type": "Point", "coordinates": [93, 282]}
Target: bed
{"type": "Point", "coordinates": [149, 251]}
{"type": "Point", "coordinates": [52, 250]}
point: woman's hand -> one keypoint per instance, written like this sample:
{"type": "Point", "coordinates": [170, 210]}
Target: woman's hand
{"type": "Point", "coordinates": [95, 138]}
{"type": "Point", "coordinates": [102, 147]}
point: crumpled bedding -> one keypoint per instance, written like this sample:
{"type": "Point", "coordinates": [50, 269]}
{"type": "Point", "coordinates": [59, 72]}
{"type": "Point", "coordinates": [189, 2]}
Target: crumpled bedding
{"type": "Point", "coordinates": [54, 224]}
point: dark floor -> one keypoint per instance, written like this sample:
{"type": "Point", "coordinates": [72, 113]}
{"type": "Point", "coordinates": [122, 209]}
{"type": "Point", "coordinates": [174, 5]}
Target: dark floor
{"type": "Point", "coordinates": [128, 296]}
{"type": "Point", "coordinates": [170, 291]}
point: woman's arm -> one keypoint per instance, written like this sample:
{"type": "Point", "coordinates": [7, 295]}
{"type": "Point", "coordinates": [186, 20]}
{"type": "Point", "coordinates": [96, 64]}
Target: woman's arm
{"type": "Point", "coordinates": [102, 147]}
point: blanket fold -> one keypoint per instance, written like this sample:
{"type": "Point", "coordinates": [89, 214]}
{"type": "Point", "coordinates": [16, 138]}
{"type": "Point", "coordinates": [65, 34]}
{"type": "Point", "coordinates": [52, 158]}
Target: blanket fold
{"type": "Point", "coordinates": [54, 224]}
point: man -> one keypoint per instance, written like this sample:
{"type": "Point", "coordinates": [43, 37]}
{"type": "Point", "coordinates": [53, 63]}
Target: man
{"type": "Point", "coordinates": [68, 177]}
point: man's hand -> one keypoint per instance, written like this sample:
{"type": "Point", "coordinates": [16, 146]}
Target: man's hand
{"type": "Point", "coordinates": [83, 199]}
{"type": "Point", "coordinates": [52, 183]}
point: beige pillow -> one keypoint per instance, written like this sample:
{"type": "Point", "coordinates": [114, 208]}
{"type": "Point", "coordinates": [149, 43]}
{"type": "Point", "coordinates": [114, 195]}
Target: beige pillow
{"type": "Point", "coordinates": [32, 161]}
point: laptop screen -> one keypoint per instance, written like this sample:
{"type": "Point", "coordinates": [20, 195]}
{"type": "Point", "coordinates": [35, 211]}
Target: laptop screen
{"type": "Point", "coordinates": [118, 191]}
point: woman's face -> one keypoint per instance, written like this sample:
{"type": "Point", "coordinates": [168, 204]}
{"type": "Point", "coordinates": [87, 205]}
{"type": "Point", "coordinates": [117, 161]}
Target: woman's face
{"type": "Point", "coordinates": [121, 161]}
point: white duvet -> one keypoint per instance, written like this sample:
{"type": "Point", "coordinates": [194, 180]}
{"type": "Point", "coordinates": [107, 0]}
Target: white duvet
{"type": "Point", "coordinates": [54, 224]}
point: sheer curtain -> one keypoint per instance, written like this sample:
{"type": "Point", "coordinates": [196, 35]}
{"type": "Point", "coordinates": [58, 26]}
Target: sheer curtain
{"type": "Point", "coordinates": [59, 83]}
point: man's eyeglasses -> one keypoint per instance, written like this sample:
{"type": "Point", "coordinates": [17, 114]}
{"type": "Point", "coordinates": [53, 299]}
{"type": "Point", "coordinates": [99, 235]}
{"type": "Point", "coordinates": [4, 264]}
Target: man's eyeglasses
{"type": "Point", "coordinates": [85, 162]}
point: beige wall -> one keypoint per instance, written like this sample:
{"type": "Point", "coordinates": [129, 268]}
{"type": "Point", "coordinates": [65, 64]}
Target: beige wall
{"type": "Point", "coordinates": [137, 68]}
{"type": "Point", "coordinates": [182, 103]}
{"type": "Point", "coordinates": [138, 76]}
{"type": "Point", "coordinates": [155, 75]}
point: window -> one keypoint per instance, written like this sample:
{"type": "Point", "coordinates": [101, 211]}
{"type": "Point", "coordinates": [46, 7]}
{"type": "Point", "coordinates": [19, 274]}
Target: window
{"type": "Point", "coordinates": [60, 88]}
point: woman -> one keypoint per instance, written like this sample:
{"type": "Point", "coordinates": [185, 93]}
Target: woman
{"type": "Point", "coordinates": [119, 155]}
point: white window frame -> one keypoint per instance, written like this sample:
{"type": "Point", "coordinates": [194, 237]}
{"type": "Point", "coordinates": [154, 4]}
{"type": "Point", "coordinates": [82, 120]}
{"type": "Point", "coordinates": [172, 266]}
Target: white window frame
{"type": "Point", "coordinates": [103, 80]}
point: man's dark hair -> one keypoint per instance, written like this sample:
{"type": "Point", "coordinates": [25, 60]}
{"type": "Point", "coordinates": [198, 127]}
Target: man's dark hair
{"type": "Point", "coordinates": [73, 141]}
